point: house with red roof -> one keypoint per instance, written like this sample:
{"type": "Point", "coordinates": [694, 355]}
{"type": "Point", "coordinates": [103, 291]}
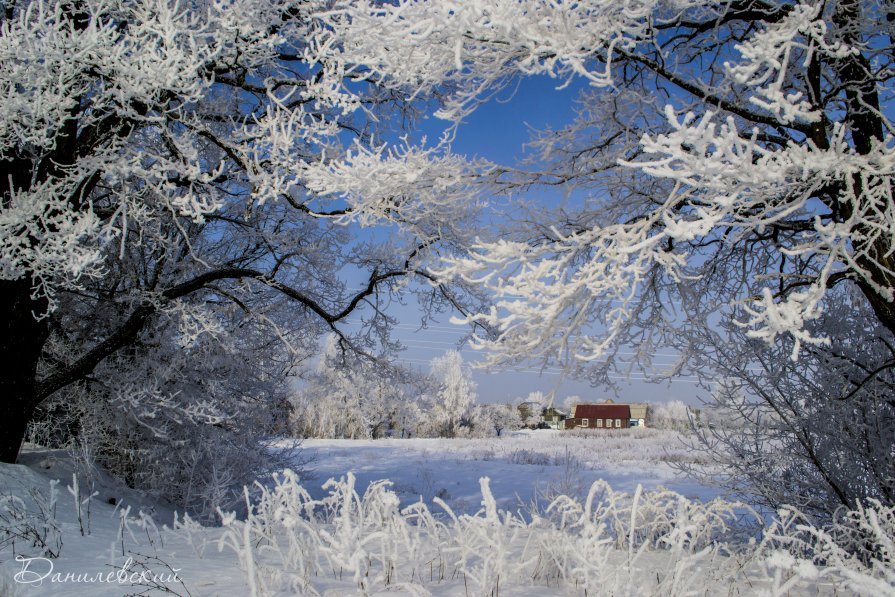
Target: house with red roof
{"type": "Point", "coordinates": [599, 416]}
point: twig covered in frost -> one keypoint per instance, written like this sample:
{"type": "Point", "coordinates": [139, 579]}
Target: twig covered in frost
{"type": "Point", "coordinates": [82, 505]}
{"type": "Point", "coordinates": [36, 526]}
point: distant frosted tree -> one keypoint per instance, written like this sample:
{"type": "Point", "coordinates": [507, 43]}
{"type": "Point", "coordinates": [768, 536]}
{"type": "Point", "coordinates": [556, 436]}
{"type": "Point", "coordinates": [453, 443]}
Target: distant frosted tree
{"type": "Point", "coordinates": [538, 400]}
{"type": "Point", "coordinates": [570, 402]}
{"type": "Point", "coordinates": [672, 414]}
{"type": "Point", "coordinates": [525, 412]}
{"type": "Point", "coordinates": [408, 418]}
{"type": "Point", "coordinates": [479, 422]}
{"type": "Point", "coordinates": [350, 397]}
{"type": "Point", "coordinates": [505, 417]}
{"type": "Point", "coordinates": [454, 394]}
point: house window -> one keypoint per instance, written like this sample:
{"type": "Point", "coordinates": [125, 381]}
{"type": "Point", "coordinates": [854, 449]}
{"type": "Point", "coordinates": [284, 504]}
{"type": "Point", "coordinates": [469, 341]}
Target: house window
{"type": "Point", "coordinates": [585, 423]}
{"type": "Point", "coordinates": [618, 423]}
{"type": "Point", "coordinates": [599, 422]}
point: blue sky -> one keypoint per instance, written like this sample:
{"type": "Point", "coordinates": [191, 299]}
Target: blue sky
{"type": "Point", "coordinates": [498, 131]}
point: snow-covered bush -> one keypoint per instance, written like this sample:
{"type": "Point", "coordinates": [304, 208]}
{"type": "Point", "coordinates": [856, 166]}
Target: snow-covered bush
{"type": "Point", "coordinates": [28, 523]}
{"type": "Point", "coordinates": [609, 542]}
{"type": "Point", "coordinates": [601, 450]}
{"type": "Point", "coordinates": [190, 425]}
{"type": "Point", "coordinates": [858, 548]}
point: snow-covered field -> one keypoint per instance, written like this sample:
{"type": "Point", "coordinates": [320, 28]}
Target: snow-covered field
{"type": "Point", "coordinates": [524, 467]}
{"type": "Point", "coordinates": [467, 536]}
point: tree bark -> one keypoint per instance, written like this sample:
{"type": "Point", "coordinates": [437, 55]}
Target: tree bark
{"type": "Point", "coordinates": [22, 337]}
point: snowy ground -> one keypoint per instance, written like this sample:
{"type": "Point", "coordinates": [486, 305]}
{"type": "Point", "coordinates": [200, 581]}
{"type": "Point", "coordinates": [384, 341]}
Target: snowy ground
{"type": "Point", "coordinates": [524, 467]}
{"type": "Point", "coordinates": [363, 539]}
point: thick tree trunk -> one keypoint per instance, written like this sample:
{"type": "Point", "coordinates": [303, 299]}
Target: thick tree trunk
{"type": "Point", "coordinates": [22, 338]}
{"type": "Point", "coordinates": [15, 424]}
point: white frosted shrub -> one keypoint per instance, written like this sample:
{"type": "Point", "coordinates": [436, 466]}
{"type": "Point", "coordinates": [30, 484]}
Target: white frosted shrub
{"type": "Point", "coordinates": [858, 549]}
{"type": "Point", "coordinates": [646, 543]}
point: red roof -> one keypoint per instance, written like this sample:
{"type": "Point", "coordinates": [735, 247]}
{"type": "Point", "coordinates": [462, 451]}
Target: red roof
{"type": "Point", "coordinates": [602, 411]}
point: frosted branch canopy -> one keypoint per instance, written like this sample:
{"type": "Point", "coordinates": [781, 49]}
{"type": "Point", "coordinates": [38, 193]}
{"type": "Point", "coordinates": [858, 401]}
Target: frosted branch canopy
{"type": "Point", "coordinates": [740, 161]}
{"type": "Point", "coordinates": [773, 142]}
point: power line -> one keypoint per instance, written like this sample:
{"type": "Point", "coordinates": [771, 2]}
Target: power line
{"type": "Point", "coordinates": [553, 371]}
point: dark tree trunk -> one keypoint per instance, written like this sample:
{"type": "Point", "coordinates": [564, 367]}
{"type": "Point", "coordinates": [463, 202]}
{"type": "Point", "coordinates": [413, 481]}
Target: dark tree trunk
{"type": "Point", "coordinates": [24, 329]}
{"type": "Point", "coordinates": [15, 424]}
{"type": "Point", "coordinates": [22, 337]}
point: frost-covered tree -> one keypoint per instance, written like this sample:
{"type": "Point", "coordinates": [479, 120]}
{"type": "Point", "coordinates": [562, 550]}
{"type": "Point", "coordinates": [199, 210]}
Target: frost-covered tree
{"type": "Point", "coordinates": [350, 397]}
{"type": "Point", "coordinates": [491, 420]}
{"type": "Point", "coordinates": [186, 417]}
{"type": "Point", "coordinates": [538, 400]}
{"type": "Point", "coordinates": [672, 414]}
{"type": "Point", "coordinates": [162, 160]}
{"type": "Point", "coordinates": [407, 416]}
{"type": "Point", "coordinates": [454, 392]}
{"type": "Point", "coordinates": [481, 421]}
{"type": "Point", "coordinates": [484, 420]}
{"type": "Point", "coordinates": [818, 433]}
{"type": "Point", "coordinates": [532, 407]}
{"type": "Point", "coordinates": [569, 402]}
